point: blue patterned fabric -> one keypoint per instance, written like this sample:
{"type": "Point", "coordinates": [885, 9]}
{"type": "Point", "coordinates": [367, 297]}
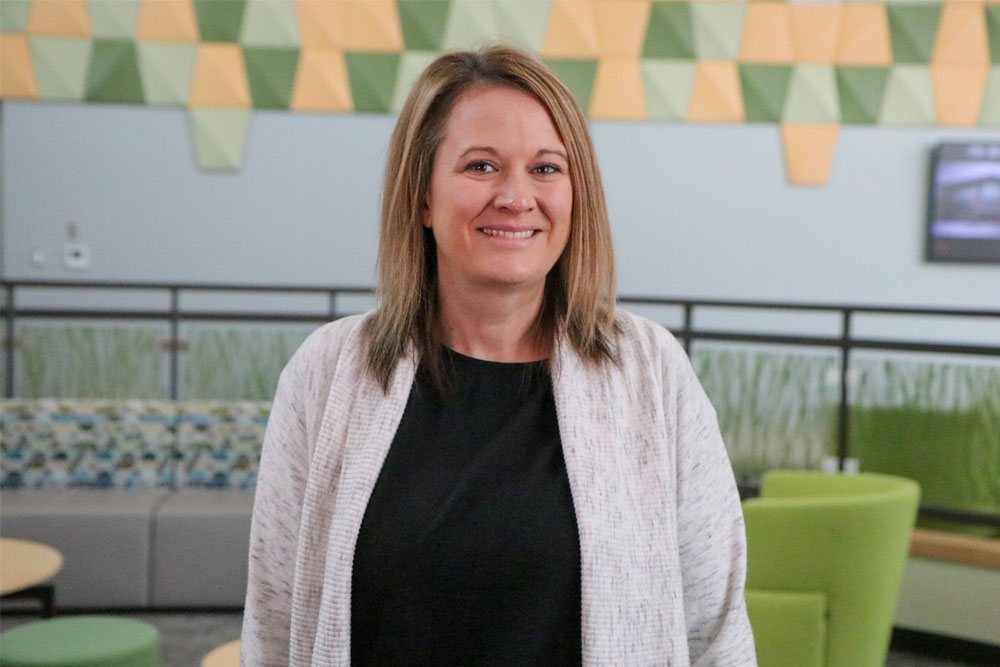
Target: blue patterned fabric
{"type": "Point", "coordinates": [130, 444]}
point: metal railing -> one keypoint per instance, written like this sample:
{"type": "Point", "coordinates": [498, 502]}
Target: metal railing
{"type": "Point", "coordinates": [845, 342]}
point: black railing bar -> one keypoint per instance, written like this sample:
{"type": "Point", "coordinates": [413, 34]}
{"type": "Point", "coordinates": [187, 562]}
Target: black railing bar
{"type": "Point", "coordinates": [203, 287]}
{"type": "Point", "coordinates": [962, 516]}
{"type": "Point", "coordinates": [855, 343]}
{"type": "Point", "coordinates": [166, 315]}
{"type": "Point", "coordinates": [817, 307]}
{"type": "Point", "coordinates": [843, 401]}
{"type": "Point", "coordinates": [692, 334]}
{"type": "Point", "coordinates": [8, 352]}
{"type": "Point", "coordinates": [175, 338]}
{"type": "Point", "coordinates": [666, 301]}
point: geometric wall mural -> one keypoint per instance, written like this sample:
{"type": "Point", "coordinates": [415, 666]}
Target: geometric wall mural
{"type": "Point", "coordinates": [807, 66]}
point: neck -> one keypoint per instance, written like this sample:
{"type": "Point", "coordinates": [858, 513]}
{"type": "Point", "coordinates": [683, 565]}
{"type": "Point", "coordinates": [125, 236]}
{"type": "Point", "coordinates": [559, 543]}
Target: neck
{"type": "Point", "coordinates": [493, 324]}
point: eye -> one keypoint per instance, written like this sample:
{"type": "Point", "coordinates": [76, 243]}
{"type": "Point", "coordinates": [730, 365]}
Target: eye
{"type": "Point", "coordinates": [480, 167]}
{"type": "Point", "coordinates": [547, 169]}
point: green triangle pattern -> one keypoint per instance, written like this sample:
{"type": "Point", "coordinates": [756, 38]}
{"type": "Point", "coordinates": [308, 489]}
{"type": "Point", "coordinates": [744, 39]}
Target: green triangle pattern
{"type": "Point", "coordinates": [270, 23]}
{"type": "Point", "coordinates": [60, 66]}
{"type": "Point", "coordinates": [669, 31]}
{"type": "Point", "coordinates": [411, 64]}
{"type": "Point", "coordinates": [667, 86]}
{"type": "Point", "coordinates": [114, 73]}
{"type": "Point", "coordinates": [765, 88]}
{"type": "Point", "coordinates": [578, 75]}
{"type": "Point", "coordinates": [219, 20]}
{"type": "Point", "coordinates": [271, 73]}
{"type": "Point", "coordinates": [14, 15]}
{"type": "Point", "coordinates": [524, 22]}
{"type": "Point", "coordinates": [373, 79]}
{"type": "Point", "coordinates": [989, 114]}
{"type": "Point", "coordinates": [113, 19]}
{"type": "Point", "coordinates": [423, 23]}
{"type": "Point", "coordinates": [993, 30]}
{"type": "Point", "coordinates": [167, 70]}
{"type": "Point", "coordinates": [861, 90]}
{"type": "Point", "coordinates": [471, 23]}
{"type": "Point", "coordinates": [220, 137]}
{"type": "Point", "coordinates": [718, 29]}
{"type": "Point", "coordinates": [812, 95]}
{"type": "Point", "coordinates": [913, 28]}
{"type": "Point", "coordinates": [909, 98]}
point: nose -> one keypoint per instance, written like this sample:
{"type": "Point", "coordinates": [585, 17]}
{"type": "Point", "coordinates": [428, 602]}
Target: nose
{"type": "Point", "coordinates": [514, 194]}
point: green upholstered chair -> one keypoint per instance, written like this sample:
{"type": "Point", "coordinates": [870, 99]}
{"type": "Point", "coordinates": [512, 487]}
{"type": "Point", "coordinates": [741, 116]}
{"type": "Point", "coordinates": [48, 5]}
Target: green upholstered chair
{"type": "Point", "coordinates": [81, 641]}
{"type": "Point", "coordinates": [825, 557]}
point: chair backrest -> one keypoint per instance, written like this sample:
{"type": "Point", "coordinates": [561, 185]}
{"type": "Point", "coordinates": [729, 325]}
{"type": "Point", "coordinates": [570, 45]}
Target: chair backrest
{"type": "Point", "coordinates": [846, 536]}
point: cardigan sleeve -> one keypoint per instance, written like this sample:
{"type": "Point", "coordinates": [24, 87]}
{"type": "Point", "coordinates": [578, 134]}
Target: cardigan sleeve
{"type": "Point", "coordinates": [274, 528]}
{"type": "Point", "coordinates": [711, 534]}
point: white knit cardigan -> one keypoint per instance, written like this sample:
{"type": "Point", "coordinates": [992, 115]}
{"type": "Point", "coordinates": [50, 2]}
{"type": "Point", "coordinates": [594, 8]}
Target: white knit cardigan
{"type": "Point", "coordinates": [662, 544]}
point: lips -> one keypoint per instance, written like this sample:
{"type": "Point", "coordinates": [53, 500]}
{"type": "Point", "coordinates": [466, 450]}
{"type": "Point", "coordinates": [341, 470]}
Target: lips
{"type": "Point", "coordinates": [508, 233]}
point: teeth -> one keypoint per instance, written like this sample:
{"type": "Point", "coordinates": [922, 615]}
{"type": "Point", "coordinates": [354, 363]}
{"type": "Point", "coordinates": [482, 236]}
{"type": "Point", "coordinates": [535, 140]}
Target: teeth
{"type": "Point", "coordinates": [509, 235]}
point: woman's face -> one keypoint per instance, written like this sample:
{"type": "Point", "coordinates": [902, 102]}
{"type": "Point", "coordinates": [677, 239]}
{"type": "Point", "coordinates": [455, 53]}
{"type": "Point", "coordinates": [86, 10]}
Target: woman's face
{"type": "Point", "coordinates": [500, 196]}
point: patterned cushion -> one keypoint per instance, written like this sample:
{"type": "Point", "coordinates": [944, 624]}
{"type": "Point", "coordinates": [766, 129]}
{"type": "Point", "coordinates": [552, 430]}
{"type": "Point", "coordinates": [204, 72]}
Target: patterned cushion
{"type": "Point", "coordinates": [130, 444]}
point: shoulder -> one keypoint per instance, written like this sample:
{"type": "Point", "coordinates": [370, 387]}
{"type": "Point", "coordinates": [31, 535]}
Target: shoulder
{"type": "Point", "coordinates": [646, 339]}
{"type": "Point", "coordinates": [328, 347]}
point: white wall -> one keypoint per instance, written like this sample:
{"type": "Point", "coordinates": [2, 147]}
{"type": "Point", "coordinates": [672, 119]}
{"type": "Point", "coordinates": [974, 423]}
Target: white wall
{"type": "Point", "coordinates": [697, 210]}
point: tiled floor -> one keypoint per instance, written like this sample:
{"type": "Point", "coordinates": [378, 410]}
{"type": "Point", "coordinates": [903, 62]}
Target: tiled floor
{"type": "Point", "coordinates": [188, 637]}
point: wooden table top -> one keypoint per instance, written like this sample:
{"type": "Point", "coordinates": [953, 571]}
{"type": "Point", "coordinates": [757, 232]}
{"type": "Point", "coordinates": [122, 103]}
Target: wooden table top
{"type": "Point", "coordinates": [24, 564]}
{"type": "Point", "coordinates": [227, 655]}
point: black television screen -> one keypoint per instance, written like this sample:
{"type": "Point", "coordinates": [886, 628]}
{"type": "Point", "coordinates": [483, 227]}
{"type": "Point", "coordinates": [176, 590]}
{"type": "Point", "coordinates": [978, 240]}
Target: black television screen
{"type": "Point", "coordinates": [963, 210]}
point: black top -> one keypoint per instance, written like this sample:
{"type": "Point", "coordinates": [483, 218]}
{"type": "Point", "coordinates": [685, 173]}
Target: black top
{"type": "Point", "coordinates": [468, 552]}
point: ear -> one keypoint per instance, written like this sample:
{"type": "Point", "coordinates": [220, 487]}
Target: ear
{"type": "Point", "coordinates": [425, 212]}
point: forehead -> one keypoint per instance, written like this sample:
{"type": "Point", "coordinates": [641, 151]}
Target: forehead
{"type": "Point", "coordinates": [500, 114]}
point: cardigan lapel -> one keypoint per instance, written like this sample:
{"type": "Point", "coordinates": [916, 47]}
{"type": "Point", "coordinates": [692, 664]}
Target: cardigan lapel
{"type": "Point", "coordinates": [372, 421]}
{"type": "Point", "coordinates": [582, 398]}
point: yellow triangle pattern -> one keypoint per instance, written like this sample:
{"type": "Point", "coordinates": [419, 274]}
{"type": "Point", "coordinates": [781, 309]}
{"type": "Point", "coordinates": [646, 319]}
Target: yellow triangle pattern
{"type": "Point", "coordinates": [767, 34]}
{"type": "Point", "coordinates": [17, 76]}
{"type": "Point", "coordinates": [864, 35]}
{"type": "Point", "coordinates": [321, 83]}
{"type": "Point", "coordinates": [809, 151]}
{"type": "Point", "coordinates": [172, 21]}
{"type": "Point", "coordinates": [66, 18]}
{"type": "Point", "coordinates": [961, 37]}
{"type": "Point", "coordinates": [373, 25]}
{"type": "Point", "coordinates": [618, 90]}
{"type": "Point", "coordinates": [621, 26]}
{"type": "Point", "coordinates": [716, 96]}
{"type": "Point", "coordinates": [958, 92]}
{"type": "Point", "coordinates": [322, 24]}
{"type": "Point", "coordinates": [815, 31]}
{"type": "Point", "coordinates": [220, 77]}
{"type": "Point", "coordinates": [572, 30]}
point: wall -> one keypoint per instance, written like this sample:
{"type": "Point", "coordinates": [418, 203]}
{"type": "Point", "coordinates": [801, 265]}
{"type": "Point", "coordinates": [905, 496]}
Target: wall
{"type": "Point", "coordinates": [697, 210]}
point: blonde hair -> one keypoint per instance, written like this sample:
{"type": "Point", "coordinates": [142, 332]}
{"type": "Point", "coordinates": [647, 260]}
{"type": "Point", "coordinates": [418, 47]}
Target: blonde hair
{"type": "Point", "coordinates": [579, 290]}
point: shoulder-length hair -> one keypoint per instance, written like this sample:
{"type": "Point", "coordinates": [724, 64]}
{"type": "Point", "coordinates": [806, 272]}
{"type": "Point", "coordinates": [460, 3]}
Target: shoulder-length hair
{"type": "Point", "coordinates": [578, 302]}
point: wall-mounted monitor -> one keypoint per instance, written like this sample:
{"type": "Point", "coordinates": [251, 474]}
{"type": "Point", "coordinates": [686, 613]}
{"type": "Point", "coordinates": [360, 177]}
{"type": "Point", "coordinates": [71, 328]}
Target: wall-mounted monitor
{"type": "Point", "coordinates": [963, 208]}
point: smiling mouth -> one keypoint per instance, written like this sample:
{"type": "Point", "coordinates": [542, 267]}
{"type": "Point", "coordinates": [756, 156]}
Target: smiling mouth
{"type": "Point", "coordinates": [522, 234]}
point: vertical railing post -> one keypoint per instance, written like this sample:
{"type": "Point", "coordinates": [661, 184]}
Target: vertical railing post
{"type": "Point", "coordinates": [8, 343]}
{"type": "Point", "coordinates": [843, 423]}
{"type": "Point", "coordinates": [686, 331]}
{"type": "Point", "coordinates": [332, 308]}
{"type": "Point", "coordinates": [175, 340]}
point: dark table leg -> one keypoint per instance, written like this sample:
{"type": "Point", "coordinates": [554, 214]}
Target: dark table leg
{"type": "Point", "coordinates": [45, 594]}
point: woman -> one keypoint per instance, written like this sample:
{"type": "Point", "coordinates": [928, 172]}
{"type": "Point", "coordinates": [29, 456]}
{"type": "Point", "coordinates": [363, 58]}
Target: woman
{"type": "Point", "coordinates": [495, 466]}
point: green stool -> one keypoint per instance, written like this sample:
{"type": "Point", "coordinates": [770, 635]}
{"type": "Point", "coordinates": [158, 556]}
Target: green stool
{"type": "Point", "coordinates": [81, 641]}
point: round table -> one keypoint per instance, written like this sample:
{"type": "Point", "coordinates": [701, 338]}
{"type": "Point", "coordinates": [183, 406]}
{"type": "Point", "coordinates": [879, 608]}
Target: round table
{"type": "Point", "coordinates": [24, 565]}
{"type": "Point", "coordinates": [227, 655]}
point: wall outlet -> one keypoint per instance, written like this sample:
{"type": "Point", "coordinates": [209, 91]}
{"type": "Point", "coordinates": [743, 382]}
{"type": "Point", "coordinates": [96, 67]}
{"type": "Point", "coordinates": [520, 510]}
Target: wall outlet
{"type": "Point", "coordinates": [76, 256]}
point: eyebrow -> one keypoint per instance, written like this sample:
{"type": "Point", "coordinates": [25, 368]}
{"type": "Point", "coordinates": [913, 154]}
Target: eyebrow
{"type": "Point", "coordinates": [493, 151]}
